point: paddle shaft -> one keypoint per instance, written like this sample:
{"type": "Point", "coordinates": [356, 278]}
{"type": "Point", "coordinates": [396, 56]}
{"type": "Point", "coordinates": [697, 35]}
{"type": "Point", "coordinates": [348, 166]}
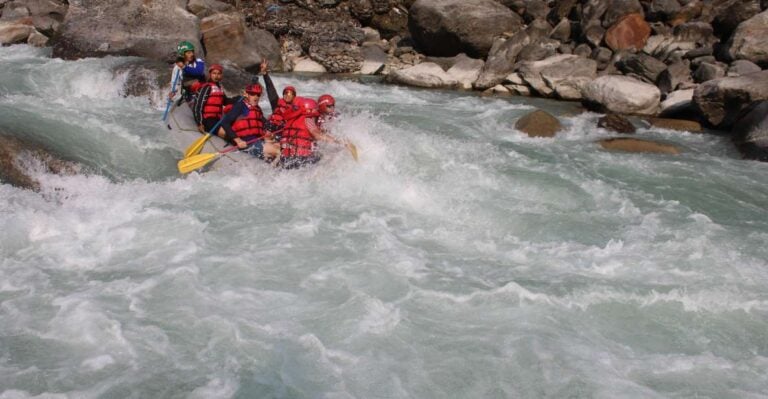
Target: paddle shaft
{"type": "Point", "coordinates": [173, 90]}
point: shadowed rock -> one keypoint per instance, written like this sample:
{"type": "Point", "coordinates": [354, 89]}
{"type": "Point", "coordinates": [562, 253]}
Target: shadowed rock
{"type": "Point", "coordinates": [14, 153]}
{"type": "Point", "coordinates": [616, 123]}
{"type": "Point", "coordinates": [227, 38]}
{"type": "Point", "coordinates": [722, 101]}
{"type": "Point", "coordinates": [751, 132]}
{"type": "Point", "coordinates": [637, 145]}
{"type": "Point", "coordinates": [539, 124]}
{"type": "Point", "coordinates": [749, 40]}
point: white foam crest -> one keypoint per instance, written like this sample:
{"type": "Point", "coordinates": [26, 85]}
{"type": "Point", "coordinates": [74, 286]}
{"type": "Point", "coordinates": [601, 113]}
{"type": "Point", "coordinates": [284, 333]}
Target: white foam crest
{"type": "Point", "coordinates": [380, 317]}
{"type": "Point", "coordinates": [16, 52]}
{"type": "Point", "coordinates": [19, 394]}
{"type": "Point", "coordinates": [511, 289]}
{"type": "Point", "coordinates": [216, 388]}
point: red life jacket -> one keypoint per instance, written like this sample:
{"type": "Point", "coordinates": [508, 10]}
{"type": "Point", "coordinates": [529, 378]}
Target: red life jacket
{"type": "Point", "coordinates": [282, 107]}
{"type": "Point", "coordinates": [297, 141]}
{"type": "Point", "coordinates": [214, 104]}
{"type": "Point", "coordinates": [250, 124]}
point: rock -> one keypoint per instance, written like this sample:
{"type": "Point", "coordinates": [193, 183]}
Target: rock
{"type": "Point", "coordinates": [374, 59]}
{"type": "Point", "coordinates": [594, 35]}
{"type": "Point", "coordinates": [535, 10]}
{"type": "Point", "coordinates": [749, 40]}
{"type": "Point", "coordinates": [371, 35]}
{"type": "Point", "coordinates": [689, 11]}
{"type": "Point", "coordinates": [602, 56]}
{"type": "Point", "coordinates": [561, 76]}
{"type": "Point", "coordinates": [631, 32]}
{"type": "Point", "coordinates": [538, 124]}
{"type": "Point", "coordinates": [637, 145]}
{"type": "Point", "coordinates": [538, 50]}
{"type": "Point", "coordinates": [620, 8]}
{"type": "Point", "coordinates": [307, 65]}
{"type": "Point", "coordinates": [732, 13]}
{"type": "Point", "coordinates": [698, 52]}
{"type": "Point", "coordinates": [676, 101]}
{"type": "Point", "coordinates": [498, 89]}
{"type": "Point", "coordinates": [701, 60]}
{"type": "Point", "coordinates": [662, 10]}
{"type": "Point", "coordinates": [583, 50]}
{"type": "Point", "coordinates": [751, 132]}
{"type": "Point", "coordinates": [13, 11]}
{"type": "Point", "coordinates": [700, 33]}
{"type": "Point", "coordinates": [426, 74]}
{"type": "Point", "coordinates": [742, 67]}
{"type": "Point", "coordinates": [519, 90]}
{"type": "Point", "coordinates": [675, 75]}
{"type": "Point", "coordinates": [37, 39]}
{"type": "Point", "coordinates": [561, 9]}
{"type": "Point", "coordinates": [675, 124]}
{"type": "Point", "coordinates": [565, 48]}
{"type": "Point", "coordinates": [205, 8]}
{"type": "Point", "coordinates": [501, 60]}
{"type": "Point", "coordinates": [135, 27]}
{"type": "Point", "coordinates": [228, 39]}
{"type": "Point", "coordinates": [466, 70]}
{"type": "Point", "coordinates": [642, 65]}
{"type": "Point", "coordinates": [361, 9]}
{"type": "Point", "coordinates": [393, 22]}
{"type": "Point", "coordinates": [14, 153]}
{"type": "Point", "coordinates": [616, 123]}
{"type": "Point", "coordinates": [707, 71]}
{"type": "Point", "coordinates": [12, 32]}
{"type": "Point", "coordinates": [562, 31]}
{"type": "Point", "coordinates": [622, 94]}
{"type": "Point", "coordinates": [337, 57]}
{"type": "Point", "coordinates": [514, 78]}
{"type": "Point", "coordinates": [449, 27]}
{"type": "Point", "coordinates": [721, 101]}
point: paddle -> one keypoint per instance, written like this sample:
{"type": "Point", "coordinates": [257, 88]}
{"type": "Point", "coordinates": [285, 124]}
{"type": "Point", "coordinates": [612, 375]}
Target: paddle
{"type": "Point", "coordinates": [198, 145]}
{"type": "Point", "coordinates": [352, 150]}
{"type": "Point", "coordinates": [173, 90]}
{"type": "Point", "coordinates": [194, 162]}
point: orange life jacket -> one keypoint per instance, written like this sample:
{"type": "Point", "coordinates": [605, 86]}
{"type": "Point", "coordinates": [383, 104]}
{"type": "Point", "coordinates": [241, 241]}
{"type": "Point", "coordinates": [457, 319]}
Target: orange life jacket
{"type": "Point", "coordinates": [214, 104]}
{"type": "Point", "coordinates": [297, 141]}
{"type": "Point", "coordinates": [250, 124]}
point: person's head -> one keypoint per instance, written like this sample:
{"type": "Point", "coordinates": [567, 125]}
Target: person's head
{"type": "Point", "coordinates": [186, 50]}
{"type": "Point", "coordinates": [289, 93]}
{"type": "Point", "coordinates": [307, 106]}
{"type": "Point", "coordinates": [326, 104]}
{"type": "Point", "coordinates": [252, 93]}
{"type": "Point", "coordinates": [216, 73]}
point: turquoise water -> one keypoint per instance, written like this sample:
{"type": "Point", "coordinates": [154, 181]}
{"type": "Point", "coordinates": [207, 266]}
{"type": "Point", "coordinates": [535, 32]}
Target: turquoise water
{"type": "Point", "coordinates": [458, 259]}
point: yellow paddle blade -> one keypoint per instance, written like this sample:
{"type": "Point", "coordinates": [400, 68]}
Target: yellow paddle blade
{"type": "Point", "coordinates": [194, 162]}
{"type": "Point", "coordinates": [197, 146]}
{"type": "Point", "coordinates": [352, 150]}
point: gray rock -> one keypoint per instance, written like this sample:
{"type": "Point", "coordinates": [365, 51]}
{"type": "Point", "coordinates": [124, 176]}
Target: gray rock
{"type": "Point", "coordinates": [561, 9]}
{"type": "Point", "coordinates": [594, 34]}
{"type": "Point", "coordinates": [700, 33]}
{"type": "Point", "coordinates": [721, 101]}
{"type": "Point", "coordinates": [466, 70]}
{"type": "Point", "coordinates": [562, 76]}
{"type": "Point", "coordinates": [603, 56]}
{"type": "Point", "coordinates": [616, 123]}
{"type": "Point", "coordinates": [132, 28]}
{"type": "Point", "coordinates": [662, 10]}
{"type": "Point", "coordinates": [449, 27]}
{"type": "Point", "coordinates": [565, 48]}
{"type": "Point", "coordinates": [676, 101]}
{"type": "Point", "coordinates": [391, 23]}
{"type": "Point", "coordinates": [37, 39]}
{"type": "Point", "coordinates": [227, 39]}
{"type": "Point", "coordinates": [731, 13]}
{"type": "Point", "coordinates": [374, 59]}
{"type": "Point", "coordinates": [643, 65]}
{"type": "Point", "coordinates": [742, 67]}
{"type": "Point", "coordinates": [501, 60]}
{"type": "Point", "coordinates": [12, 32]}
{"type": "Point", "coordinates": [562, 31]}
{"type": "Point", "coordinates": [337, 57]}
{"type": "Point", "coordinates": [583, 50]}
{"type": "Point", "coordinates": [749, 40]}
{"type": "Point", "coordinates": [673, 77]}
{"type": "Point", "coordinates": [621, 94]}
{"type": "Point", "coordinates": [539, 50]}
{"type": "Point", "coordinates": [751, 132]}
{"type": "Point", "coordinates": [205, 8]}
{"type": "Point", "coordinates": [535, 10]}
{"type": "Point", "coordinates": [426, 74]}
{"type": "Point", "coordinates": [698, 52]}
{"type": "Point", "coordinates": [707, 71]}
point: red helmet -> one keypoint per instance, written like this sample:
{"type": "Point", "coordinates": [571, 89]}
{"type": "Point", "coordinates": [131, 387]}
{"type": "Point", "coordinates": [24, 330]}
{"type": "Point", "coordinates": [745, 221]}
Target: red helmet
{"type": "Point", "coordinates": [325, 101]}
{"type": "Point", "coordinates": [307, 106]}
{"type": "Point", "coordinates": [253, 88]}
{"type": "Point", "coordinates": [216, 67]}
{"type": "Point", "coordinates": [289, 88]}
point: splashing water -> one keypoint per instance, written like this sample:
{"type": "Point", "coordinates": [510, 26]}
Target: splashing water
{"type": "Point", "coordinates": [458, 259]}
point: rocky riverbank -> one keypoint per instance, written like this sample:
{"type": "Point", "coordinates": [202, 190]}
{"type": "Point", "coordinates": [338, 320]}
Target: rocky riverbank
{"type": "Point", "coordinates": [687, 59]}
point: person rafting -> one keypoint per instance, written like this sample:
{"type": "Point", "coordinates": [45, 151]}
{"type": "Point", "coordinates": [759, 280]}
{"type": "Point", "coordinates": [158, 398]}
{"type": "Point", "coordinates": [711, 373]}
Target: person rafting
{"type": "Point", "coordinates": [301, 133]}
{"type": "Point", "coordinates": [211, 102]}
{"type": "Point", "coordinates": [326, 105]}
{"type": "Point", "coordinates": [188, 72]}
{"type": "Point", "coordinates": [279, 105]}
{"type": "Point", "coordinates": [244, 126]}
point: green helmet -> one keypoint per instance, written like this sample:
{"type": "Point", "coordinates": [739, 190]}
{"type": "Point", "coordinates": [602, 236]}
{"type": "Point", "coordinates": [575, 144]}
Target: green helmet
{"type": "Point", "coordinates": [184, 46]}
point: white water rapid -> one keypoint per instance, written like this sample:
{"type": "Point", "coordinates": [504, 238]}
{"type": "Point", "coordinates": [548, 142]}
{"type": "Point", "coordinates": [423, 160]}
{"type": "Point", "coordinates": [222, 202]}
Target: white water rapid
{"type": "Point", "coordinates": [458, 258]}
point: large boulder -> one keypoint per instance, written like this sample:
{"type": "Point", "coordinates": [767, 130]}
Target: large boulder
{"type": "Point", "coordinates": [722, 101]}
{"type": "Point", "coordinates": [228, 39]}
{"type": "Point", "coordinates": [15, 32]}
{"type": "Point", "coordinates": [125, 27]}
{"type": "Point", "coordinates": [751, 132]}
{"type": "Point", "coordinates": [643, 65]}
{"type": "Point", "coordinates": [449, 27]}
{"type": "Point", "coordinates": [750, 40]}
{"type": "Point", "coordinates": [374, 59]}
{"type": "Point", "coordinates": [427, 74]}
{"type": "Point", "coordinates": [337, 57]}
{"type": "Point", "coordinates": [621, 94]}
{"type": "Point", "coordinates": [206, 8]}
{"type": "Point", "coordinates": [561, 76]}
